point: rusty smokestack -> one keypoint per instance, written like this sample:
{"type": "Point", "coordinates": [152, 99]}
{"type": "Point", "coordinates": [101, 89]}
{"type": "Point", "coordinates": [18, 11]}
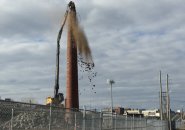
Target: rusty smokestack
{"type": "Point", "coordinates": [72, 98]}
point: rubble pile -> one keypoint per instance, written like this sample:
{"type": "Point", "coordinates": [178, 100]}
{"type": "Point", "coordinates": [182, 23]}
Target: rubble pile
{"type": "Point", "coordinates": [33, 120]}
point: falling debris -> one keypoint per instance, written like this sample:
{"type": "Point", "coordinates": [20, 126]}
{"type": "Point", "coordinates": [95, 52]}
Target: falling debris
{"type": "Point", "coordinates": [80, 38]}
{"type": "Point", "coordinates": [87, 68]}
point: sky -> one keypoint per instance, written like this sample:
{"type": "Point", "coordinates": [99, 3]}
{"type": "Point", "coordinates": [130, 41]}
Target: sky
{"type": "Point", "coordinates": [130, 40]}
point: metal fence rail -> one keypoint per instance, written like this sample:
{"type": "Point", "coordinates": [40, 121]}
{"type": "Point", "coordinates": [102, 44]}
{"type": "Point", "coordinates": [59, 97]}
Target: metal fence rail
{"type": "Point", "coordinates": [19, 116]}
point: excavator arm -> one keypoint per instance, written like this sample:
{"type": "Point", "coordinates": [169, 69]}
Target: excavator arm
{"type": "Point", "coordinates": [58, 97]}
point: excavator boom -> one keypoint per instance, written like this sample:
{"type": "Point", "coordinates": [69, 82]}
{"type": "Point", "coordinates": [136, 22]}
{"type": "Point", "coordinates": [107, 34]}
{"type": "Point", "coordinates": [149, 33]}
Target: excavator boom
{"type": "Point", "coordinates": [58, 97]}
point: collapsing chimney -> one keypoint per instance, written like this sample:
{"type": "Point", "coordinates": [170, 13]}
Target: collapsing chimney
{"type": "Point", "coordinates": [72, 99]}
{"type": "Point", "coordinates": [76, 42]}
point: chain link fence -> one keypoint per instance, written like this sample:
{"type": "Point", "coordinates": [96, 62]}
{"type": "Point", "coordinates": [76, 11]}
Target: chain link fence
{"type": "Point", "coordinates": [22, 116]}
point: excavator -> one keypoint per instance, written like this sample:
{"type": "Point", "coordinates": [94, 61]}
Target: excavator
{"type": "Point", "coordinates": [58, 97]}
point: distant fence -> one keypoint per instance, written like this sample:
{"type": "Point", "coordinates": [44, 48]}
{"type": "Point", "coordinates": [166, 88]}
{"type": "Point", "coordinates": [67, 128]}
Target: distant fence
{"type": "Point", "coordinates": [23, 116]}
{"type": "Point", "coordinates": [180, 124]}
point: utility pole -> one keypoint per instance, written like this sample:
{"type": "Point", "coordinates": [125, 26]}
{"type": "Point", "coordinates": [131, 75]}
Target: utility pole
{"type": "Point", "coordinates": [168, 110]}
{"type": "Point", "coordinates": [167, 98]}
{"type": "Point", "coordinates": [110, 82]}
{"type": "Point", "coordinates": [182, 114]}
{"type": "Point", "coordinates": [161, 102]}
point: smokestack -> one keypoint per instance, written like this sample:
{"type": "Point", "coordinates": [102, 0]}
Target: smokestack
{"type": "Point", "coordinates": [72, 98]}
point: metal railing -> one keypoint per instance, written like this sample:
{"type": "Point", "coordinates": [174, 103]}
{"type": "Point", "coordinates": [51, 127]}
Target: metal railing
{"type": "Point", "coordinates": [23, 116]}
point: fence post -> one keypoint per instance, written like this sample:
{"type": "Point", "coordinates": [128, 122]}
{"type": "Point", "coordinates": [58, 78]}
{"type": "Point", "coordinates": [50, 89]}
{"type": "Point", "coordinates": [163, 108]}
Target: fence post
{"type": "Point", "coordinates": [75, 121]}
{"type": "Point", "coordinates": [92, 121]}
{"type": "Point", "coordinates": [67, 125]}
{"type": "Point", "coordinates": [115, 122]}
{"type": "Point", "coordinates": [12, 119]}
{"type": "Point", "coordinates": [50, 117]}
{"type": "Point", "coordinates": [133, 122]}
{"type": "Point", "coordinates": [101, 118]}
{"type": "Point", "coordinates": [140, 124]}
{"type": "Point", "coordinates": [126, 122]}
{"type": "Point", "coordinates": [84, 119]}
{"type": "Point", "coordinates": [146, 123]}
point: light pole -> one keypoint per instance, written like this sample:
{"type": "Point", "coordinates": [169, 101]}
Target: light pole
{"type": "Point", "coordinates": [110, 82]}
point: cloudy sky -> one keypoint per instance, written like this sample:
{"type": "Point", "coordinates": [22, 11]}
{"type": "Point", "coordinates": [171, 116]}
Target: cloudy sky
{"type": "Point", "coordinates": [131, 41]}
